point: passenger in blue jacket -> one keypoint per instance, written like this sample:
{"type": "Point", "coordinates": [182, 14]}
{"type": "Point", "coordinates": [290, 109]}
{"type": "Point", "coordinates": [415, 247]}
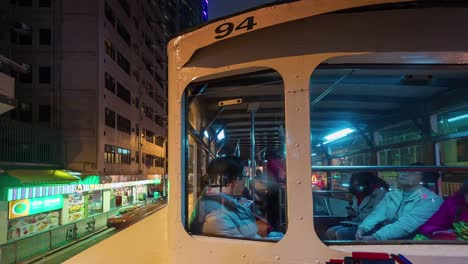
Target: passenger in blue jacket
{"type": "Point", "coordinates": [218, 211]}
{"type": "Point", "coordinates": [402, 211]}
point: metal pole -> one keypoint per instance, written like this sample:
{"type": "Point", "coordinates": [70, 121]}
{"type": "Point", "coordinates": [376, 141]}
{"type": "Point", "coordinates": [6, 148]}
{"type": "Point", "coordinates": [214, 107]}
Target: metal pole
{"type": "Point", "coordinates": [252, 157]}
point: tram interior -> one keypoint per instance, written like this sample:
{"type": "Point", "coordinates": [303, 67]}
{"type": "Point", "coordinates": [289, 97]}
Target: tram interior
{"type": "Point", "coordinates": [378, 118]}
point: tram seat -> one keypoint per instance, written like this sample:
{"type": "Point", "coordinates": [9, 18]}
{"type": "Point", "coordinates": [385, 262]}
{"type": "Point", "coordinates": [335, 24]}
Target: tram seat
{"type": "Point", "coordinates": [328, 212]}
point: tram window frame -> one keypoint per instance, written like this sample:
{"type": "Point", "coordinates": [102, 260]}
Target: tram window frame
{"type": "Point", "coordinates": [417, 142]}
{"type": "Point", "coordinates": [194, 151]}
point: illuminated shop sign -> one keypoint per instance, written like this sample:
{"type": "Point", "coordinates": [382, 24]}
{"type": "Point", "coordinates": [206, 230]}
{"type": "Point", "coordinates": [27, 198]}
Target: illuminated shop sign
{"type": "Point", "coordinates": [25, 207]}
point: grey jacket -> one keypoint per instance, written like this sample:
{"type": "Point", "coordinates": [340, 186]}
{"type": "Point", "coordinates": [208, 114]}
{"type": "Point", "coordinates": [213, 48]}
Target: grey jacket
{"type": "Point", "coordinates": [368, 204]}
{"type": "Point", "coordinates": [401, 216]}
{"type": "Point", "coordinates": [221, 214]}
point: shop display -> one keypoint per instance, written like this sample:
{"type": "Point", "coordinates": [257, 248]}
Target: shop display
{"type": "Point", "coordinates": [33, 224]}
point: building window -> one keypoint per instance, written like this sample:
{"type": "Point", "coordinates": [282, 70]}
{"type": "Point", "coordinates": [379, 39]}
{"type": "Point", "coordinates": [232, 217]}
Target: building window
{"type": "Point", "coordinates": [45, 36]}
{"type": "Point", "coordinates": [125, 6]}
{"type": "Point", "coordinates": [159, 141]}
{"type": "Point", "coordinates": [109, 154]}
{"type": "Point", "coordinates": [25, 2]}
{"type": "Point", "coordinates": [149, 160]}
{"type": "Point", "coordinates": [26, 112]}
{"type": "Point", "coordinates": [123, 124]}
{"type": "Point", "coordinates": [149, 136]}
{"type": "Point", "coordinates": [123, 63]}
{"type": "Point", "coordinates": [110, 51]}
{"type": "Point", "coordinates": [123, 93]}
{"type": "Point", "coordinates": [124, 156]}
{"type": "Point", "coordinates": [109, 13]}
{"type": "Point", "coordinates": [25, 35]}
{"type": "Point", "coordinates": [123, 33]}
{"type": "Point", "coordinates": [26, 77]}
{"type": "Point", "coordinates": [44, 113]}
{"type": "Point", "coordinates": [44, 74]}
{"type": "Point", "coordinates": [109, 82]}
{"type": "Point", "coordinates": [110, 118]}
{"type": "Point", "coordinates": [137, 102]}
{"type": "Point", "coordinates": [44, 3]}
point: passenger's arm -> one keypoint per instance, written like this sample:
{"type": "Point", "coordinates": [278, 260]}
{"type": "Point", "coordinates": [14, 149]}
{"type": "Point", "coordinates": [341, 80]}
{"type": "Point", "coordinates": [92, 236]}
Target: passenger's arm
{"type": "Point", "coordinates": [220, 224]}
{"type": "Point", "coordinates": [377, 216]}
{"type": "Point", "coordinates": [411, 220]}
{"type": "Point", "coordinates": [441, 220]}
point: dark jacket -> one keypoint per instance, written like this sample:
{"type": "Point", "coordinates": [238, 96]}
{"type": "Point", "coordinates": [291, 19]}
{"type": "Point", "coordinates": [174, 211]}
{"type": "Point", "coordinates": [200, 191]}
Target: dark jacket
{"type": "Point", "coordinates": [222, 214]}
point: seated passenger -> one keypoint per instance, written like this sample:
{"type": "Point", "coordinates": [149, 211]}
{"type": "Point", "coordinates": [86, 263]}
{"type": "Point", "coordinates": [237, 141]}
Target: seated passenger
{"type": "Point", "coordinates": [402, 211]}
{"type": "Point", "coordinates": [367, 190]}
{"type": "Point", "coordinates": [217, 211]}
{"type": "Point", "coordinates": [448, 222]}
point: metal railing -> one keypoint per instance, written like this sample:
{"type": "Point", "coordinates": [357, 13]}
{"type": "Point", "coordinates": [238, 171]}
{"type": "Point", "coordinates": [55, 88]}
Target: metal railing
{"type": "Point", "coordinates": [24, 143]}
{"type": "Point", "coordinates": [20, 250]}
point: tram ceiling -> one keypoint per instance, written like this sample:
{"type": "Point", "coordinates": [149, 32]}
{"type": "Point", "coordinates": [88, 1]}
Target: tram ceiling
{"type": "Point", "coordinates": [368, 98]}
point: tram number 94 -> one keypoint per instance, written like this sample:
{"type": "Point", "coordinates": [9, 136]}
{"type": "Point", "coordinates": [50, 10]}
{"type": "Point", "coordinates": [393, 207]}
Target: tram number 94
{"type": "Point", "coordinates": [226, 29]}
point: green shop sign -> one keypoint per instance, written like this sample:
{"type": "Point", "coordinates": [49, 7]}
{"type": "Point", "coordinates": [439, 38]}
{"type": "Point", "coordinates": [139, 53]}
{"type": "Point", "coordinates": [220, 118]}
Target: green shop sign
{"type": "Point", "coordinates": [25, 207]}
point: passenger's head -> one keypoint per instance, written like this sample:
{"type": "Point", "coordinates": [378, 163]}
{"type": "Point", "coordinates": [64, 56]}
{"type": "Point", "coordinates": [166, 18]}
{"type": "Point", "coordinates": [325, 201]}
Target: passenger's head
{"type": "Point", "coordinates": [410, 179]}
{"type": "Point", "coordinates": [226, 173]}
{"type": "Point", "coordinates": [363, 183]}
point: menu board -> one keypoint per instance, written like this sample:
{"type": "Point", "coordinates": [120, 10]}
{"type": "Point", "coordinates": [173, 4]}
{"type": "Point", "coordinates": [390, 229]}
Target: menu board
{"type": "Point", "coordinates": [76, 207]}
{"type": "Point", "coordinates": [32, 224]}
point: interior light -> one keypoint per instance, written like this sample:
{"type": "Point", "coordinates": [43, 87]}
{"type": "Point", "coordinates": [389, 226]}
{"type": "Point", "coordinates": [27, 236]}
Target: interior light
{"type": "Point", "coordinates": [453, 119]}
{"type": "Point", "coordinates": [338, 135]}
{"type": "Point", "coordinates": [206, 134]}
{"type": "Point", "coordinates": [313, 154]}
{"type": "Point", "coordinates": [221, 135]}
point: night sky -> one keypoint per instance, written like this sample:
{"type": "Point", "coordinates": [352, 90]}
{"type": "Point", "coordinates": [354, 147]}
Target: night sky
{"type": "Point", "coordinates": [218, 8]}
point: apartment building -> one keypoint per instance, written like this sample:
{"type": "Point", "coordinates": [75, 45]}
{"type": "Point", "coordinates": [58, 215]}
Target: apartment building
{"type": "Point", "coordinates": [98, 74]}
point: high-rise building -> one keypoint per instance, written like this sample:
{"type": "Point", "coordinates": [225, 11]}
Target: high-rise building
{"type": "Point", "coordinates": [185, 14]}
{"type": "Point", "coordinates": [97, 74]}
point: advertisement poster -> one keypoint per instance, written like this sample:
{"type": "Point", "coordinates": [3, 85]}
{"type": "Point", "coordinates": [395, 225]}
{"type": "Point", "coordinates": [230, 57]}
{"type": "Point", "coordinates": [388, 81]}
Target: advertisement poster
{"type": "Point", "coordinates": [25, 207]}
{"type": "Point", "coordinates": [32, 224]}
{"type": "Point", "coordinates": [76, 207]}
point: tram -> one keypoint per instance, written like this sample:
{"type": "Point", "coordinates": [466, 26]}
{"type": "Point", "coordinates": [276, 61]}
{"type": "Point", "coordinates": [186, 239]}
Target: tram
{"type": "Point", "coordinates": [305, 94]}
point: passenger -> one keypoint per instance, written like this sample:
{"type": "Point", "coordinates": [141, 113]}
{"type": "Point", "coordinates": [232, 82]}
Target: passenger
{"type": "Point", "coordinates": [276, 180]}
{"type": "Point", "coordinates": [402, 211]}
{"type": "Point", "coordinates": [367, 190]}
{"type": "Point", "coordinates": [446, 223]}
{"type": "Point", "coordinates": [276, 168]}
{"type": "Point", "coordinates": [217, 211]}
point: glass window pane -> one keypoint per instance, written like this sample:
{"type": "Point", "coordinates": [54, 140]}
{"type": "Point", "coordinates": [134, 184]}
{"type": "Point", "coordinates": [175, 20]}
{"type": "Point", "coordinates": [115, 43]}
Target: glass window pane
{"type": "Point", "coordinates": [246, 166]}
{"type": "Point", "coordinates": [367, 121]}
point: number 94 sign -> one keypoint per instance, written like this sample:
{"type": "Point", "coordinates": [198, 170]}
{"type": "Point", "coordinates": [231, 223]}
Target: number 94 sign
{"type": "Point", "coordinates": [227, 28]}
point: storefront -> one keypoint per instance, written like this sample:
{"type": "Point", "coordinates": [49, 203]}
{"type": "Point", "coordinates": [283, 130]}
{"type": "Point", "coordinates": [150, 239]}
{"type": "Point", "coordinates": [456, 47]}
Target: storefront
{"type": "Point", "coordinates": [36, 204]}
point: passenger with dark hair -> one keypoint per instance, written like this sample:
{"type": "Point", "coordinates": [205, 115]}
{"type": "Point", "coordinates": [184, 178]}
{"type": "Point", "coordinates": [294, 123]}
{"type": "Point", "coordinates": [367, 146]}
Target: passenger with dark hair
{"type": "Point", "coordinates": [402, 211]}
{"type": "Point", "coordinates": [217, 211]}
{"type": "Point", "coordinates": [448, 223]}
{"type": "Point", "coordinates": [367, 190]}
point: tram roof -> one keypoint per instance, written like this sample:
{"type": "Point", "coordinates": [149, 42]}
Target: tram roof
{"type": "Point", "coordinates": [268, 15]}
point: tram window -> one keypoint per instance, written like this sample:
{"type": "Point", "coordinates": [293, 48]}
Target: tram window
{"type": "Point", "coordinates": [234, 167]}
{"type": "Point", "coordinates": [370, 125]}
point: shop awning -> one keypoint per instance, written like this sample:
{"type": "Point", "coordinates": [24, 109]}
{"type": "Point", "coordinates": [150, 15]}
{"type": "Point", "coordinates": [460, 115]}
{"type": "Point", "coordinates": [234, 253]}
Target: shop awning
{"type": "Point", "coordinates": [21, 177]}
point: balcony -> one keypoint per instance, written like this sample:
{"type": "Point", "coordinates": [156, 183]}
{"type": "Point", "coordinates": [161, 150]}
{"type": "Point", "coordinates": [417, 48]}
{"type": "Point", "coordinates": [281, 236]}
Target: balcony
{"type": "Point", "coordinates": [7, 90]}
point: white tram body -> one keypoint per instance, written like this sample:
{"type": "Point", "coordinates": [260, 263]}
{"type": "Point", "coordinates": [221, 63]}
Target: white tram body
{"type": "Point", "coordinates": [291, 38]}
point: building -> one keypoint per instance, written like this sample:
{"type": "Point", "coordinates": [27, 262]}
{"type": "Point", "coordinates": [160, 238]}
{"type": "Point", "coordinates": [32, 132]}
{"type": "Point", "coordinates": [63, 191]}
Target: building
{"type": "Point", "coordinates": [185, 14]}
{"type": "Point", "coordinates": [96, 89]}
